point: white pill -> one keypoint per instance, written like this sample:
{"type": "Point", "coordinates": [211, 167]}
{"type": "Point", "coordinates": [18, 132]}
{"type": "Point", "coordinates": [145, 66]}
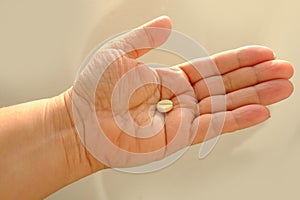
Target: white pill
{"type": "Point", "coordinates": [164, 106]}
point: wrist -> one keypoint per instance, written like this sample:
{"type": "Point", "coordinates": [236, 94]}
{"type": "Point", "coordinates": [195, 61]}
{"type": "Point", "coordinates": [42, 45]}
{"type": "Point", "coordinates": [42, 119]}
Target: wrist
{"type": "Point", "coordinates": [79, 162]}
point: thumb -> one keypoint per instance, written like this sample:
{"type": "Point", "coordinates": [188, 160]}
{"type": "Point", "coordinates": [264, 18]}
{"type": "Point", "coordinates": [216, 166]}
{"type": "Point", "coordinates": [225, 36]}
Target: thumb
{"type": "Point", "coordinates": [144, 38]}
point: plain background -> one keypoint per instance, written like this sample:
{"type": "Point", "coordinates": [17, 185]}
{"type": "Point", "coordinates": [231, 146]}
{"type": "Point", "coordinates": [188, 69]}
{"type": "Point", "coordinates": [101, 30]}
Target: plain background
{"type": "Point", "coordinates": [43, 42]}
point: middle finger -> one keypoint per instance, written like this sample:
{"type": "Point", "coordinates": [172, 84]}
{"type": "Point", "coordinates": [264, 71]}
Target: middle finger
{"type": "Point", "coordinates": [242, 78]}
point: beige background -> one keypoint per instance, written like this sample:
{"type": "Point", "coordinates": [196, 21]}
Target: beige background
{"type": "Point", "coordinates": [43, 42]}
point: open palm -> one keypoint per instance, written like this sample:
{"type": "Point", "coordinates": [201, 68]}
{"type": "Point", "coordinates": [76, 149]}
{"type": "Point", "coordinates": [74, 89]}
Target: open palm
{"type": "Point", "coordinates": [232, 95]}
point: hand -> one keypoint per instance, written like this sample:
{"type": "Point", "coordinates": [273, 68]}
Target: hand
{"type": "Point", "coordinates": [124, 93]}
{"type": "Point", "coordinates": [111, 109]}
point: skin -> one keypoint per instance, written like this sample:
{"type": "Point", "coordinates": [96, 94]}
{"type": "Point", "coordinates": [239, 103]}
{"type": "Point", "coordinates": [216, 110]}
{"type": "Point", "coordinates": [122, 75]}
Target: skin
{"type": "Point", "coordinates": [41, 151]}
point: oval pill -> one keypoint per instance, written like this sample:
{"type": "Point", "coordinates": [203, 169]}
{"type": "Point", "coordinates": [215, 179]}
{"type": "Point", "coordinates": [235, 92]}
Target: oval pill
{"type": "Point", "coordinates": [164, 106]}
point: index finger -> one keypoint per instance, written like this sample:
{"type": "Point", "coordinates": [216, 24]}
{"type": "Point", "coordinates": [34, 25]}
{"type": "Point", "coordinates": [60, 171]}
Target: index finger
{"type": "Point", "coordinates": [225, 62]}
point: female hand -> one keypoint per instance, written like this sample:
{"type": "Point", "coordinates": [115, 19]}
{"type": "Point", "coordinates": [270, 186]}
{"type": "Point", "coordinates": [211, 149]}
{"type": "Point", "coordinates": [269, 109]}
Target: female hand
{"type": "Point", "coordinates": [114, 98]}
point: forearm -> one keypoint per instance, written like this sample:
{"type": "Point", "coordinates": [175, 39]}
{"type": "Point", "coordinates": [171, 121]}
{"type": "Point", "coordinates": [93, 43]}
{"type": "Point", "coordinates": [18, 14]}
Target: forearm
{"type": "Point", "coordinates": [39, 149]}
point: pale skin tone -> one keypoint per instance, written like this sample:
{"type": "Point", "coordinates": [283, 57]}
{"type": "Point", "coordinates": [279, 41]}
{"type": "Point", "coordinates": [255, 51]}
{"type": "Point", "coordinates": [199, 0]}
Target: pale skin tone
{"type": "Point", "coordinates": [40, 149]}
